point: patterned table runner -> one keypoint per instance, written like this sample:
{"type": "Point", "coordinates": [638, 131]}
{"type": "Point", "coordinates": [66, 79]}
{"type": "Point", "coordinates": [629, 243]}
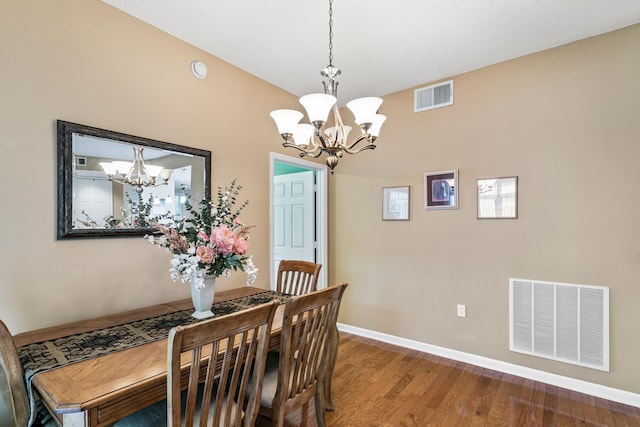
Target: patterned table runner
{"type": "Point", "coordinates": [46, 355]}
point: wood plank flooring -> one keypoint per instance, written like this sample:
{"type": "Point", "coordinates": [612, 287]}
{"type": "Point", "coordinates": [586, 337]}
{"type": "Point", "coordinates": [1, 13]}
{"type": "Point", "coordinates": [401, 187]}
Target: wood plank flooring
{"type": "Point", "coordinates": [378, 384]}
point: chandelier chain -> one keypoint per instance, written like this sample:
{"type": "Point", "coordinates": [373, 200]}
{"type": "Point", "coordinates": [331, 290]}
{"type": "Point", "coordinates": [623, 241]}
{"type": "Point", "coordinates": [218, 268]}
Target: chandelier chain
{"type": "Point", "coordinates": [330, 32]}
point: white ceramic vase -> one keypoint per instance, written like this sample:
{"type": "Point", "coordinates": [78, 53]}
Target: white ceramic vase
{"type": "Point", "coordinates": [203, 298]}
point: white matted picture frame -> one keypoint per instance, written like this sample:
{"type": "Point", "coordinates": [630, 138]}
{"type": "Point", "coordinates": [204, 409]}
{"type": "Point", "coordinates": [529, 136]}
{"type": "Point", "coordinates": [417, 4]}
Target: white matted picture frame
{"type": "Point", "coordinates": [441, 190]}
{"type": "Point", "coordinates": [395, 203]}
{"type": "Point", "coordinates": [498, 198]}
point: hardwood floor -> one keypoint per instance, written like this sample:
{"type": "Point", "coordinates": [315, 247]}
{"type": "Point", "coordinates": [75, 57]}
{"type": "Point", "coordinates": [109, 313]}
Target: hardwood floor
{"type": "Point", "coordinates": [378, 384]}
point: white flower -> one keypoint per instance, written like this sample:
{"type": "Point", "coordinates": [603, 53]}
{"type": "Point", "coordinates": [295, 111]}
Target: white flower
{"type": "Point", "coordinates": [251, 270]}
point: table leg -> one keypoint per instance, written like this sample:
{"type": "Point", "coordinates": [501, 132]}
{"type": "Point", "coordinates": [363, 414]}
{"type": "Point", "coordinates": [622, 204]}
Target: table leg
{"type": "Point", "coordinates": [74, 419]}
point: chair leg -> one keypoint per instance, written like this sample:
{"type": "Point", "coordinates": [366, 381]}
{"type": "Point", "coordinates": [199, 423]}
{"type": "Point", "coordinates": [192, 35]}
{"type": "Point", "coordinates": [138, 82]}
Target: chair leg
{"type": "Point", "coordinates": [277, 417]}
{"type": "Point", "coordinates": [321, 415]}
{"type": "Point", "coordinates": [333, 355]}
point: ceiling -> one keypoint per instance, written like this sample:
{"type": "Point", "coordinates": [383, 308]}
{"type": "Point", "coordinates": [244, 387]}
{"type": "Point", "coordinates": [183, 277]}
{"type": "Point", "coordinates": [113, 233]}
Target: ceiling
{"type": "Point", "coordinates": [381, 46]}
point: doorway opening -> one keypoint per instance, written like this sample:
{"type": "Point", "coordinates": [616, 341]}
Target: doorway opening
{"type": "Point", "coordinates": [298, 213]}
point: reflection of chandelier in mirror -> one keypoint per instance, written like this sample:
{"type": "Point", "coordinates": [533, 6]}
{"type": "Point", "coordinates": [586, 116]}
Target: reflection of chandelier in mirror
{"type": "Point", "coordinates": [308, 139]}
{"type": "Point", "coordinates": [136, 173]}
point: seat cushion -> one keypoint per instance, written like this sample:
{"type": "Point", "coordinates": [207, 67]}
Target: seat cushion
{"type": "Point", "coordinates": [156, 414]}
{"type": "Point", "coordinates": [270, 383]}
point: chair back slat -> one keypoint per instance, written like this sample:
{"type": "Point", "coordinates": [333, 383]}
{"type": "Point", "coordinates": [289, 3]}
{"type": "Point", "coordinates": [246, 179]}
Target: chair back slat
{"type": "Point", "coordinates": [297, 277]}
{"type": "Point", "coordinates": [223, 354]}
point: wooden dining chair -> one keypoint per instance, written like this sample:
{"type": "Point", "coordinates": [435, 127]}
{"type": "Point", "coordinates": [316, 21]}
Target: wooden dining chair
{"type": "Point", "coordinates": [297, 277]}
{"type": "Point", "coordinates": [12, 385]}
{"type": "Point", "coordinates": [296, 374]}
{"type": "Point", "coordinates": [14, 392]}
{"type": "Point", "coordinates": [225, 359]}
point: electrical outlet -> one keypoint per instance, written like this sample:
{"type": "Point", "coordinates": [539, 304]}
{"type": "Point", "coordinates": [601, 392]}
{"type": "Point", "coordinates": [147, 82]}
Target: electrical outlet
{"type": "Point", "coordinates": [462, 310]}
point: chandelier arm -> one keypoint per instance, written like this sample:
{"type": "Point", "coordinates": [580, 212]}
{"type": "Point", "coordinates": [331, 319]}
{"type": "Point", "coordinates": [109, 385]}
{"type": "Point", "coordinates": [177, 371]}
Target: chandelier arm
{"type": "Point", "coordinates": [315, 153]}
{"type": "Point", "coordinates": [119, 181]}
{"type": "Point", "coordinates": [364, 137]}
{"type": "Point", "coordinates": [370, 146]}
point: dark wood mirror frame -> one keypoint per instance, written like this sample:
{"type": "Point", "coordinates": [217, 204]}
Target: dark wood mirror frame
{"type": "Point", "coordinates": [65, 132]}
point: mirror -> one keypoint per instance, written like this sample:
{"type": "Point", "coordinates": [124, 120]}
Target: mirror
{"type": "Point", "coordinates": [92, 203]}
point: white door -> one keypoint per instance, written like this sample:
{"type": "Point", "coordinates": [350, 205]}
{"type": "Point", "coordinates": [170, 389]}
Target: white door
{"type": "Point", "coordinates": [293, 218]}
{"type": "Point", "coordinates": [92, 196]}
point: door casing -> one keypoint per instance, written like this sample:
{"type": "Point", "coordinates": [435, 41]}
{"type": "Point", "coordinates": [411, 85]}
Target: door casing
{"type": "Point", "coordinates": [320, 212]}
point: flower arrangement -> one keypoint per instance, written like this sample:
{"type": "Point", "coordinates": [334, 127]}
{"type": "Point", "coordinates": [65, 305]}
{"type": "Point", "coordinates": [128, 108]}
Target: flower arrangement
{"type": "Point", "coordinates": [211, 241]}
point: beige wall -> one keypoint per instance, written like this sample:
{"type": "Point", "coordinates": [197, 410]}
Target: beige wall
{"type": "Point", "coordinates": [565, 121]}
{"type": "Point", "coordinates": [87, 62]}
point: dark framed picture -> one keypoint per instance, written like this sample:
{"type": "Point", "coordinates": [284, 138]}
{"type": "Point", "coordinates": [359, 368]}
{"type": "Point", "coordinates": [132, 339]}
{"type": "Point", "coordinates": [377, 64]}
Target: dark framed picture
{"type": "Point", "coordinates": [441, 190]}
{"type": "Point", "coordinates": [498, 198]}
{"type": "Point", "coordinates": [395, 203]}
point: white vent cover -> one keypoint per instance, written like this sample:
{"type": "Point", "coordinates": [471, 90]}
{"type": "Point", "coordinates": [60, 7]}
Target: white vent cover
{"type": "Point", "coordinates": [435, 96]}
{"type": "Point", "coordinates": [560, 321]}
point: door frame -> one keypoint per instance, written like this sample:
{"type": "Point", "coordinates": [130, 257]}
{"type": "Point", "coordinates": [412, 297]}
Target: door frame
{"type": "Point", "coordinates": [320, 212]}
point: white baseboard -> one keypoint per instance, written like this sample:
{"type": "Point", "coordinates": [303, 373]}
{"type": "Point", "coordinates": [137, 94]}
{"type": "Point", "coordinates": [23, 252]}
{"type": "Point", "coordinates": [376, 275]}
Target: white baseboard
{"type": "Point", "coordinates": [592, 389]}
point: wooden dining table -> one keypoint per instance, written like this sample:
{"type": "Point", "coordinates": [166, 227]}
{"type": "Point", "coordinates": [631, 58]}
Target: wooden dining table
{"type": "Point", "coordinates": [103, 389]}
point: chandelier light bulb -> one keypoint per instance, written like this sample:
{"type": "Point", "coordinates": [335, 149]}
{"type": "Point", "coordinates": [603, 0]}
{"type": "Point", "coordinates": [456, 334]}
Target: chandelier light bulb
{"type": "Point", "coordinates": [303, 134]}
{"type": "Point", "coordinates": [364, 109]}
{"type": "Point", "coordinates": [378, 119]}
{"type": "Point", "coordinates": [318, 106]}
{"type": "Point", "coordinates": [286, 120]}
{"type": "Point", "coordinates": [153, 170]}
{"type": "Point", "coordinates": [342, 139]}
{"type": "Point", "coordinates": [109, 168]}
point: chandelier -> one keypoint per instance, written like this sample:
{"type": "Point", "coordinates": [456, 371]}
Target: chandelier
{"type": "Point", "coordinates": [309, 138]}
{"type": "Point", "coordinates": [136, 173]}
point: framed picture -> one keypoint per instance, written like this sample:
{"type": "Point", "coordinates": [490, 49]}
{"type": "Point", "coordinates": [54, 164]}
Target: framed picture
{"type": "Point", "coordinates": [498, 198]}
{"type": "Point", "coordinates": [395, 203]}
{"type": "Point", "coordinates": [441, 190]}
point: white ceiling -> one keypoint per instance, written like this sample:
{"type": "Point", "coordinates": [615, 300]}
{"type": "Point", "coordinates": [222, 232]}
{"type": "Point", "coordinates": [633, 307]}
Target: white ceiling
{"type": "Point", "coordinates": [382, 46]}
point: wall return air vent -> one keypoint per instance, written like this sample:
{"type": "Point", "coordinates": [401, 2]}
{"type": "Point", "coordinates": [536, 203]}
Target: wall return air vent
{"type": "Point", "coordinates": [560, 321]}
{"type": "Point", "coordinates": [434, 96]}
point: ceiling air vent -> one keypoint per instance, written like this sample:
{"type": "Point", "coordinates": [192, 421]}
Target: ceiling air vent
{"type": "Point", "coordinates": [434, 96]}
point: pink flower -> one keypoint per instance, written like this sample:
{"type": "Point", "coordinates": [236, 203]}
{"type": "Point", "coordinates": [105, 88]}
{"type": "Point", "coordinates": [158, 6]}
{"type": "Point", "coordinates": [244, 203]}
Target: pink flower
{"type": "Point", "coordinates": [176, 242]}
{"type": "Point", "coordinates": [205, 254]}
{"type": "Point", "coordinates": [240, 245]}
{"type": "Point", "coordinates": [203, 236]}
{"type": "Point", "coordinates": [223, 238]}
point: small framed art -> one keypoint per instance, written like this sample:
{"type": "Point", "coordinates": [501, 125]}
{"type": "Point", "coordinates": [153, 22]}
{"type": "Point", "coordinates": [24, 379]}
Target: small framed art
{"type": "Point", "coordinates": [498, 198]}
{"type": "Point", "coordinates": [395, 203]}
{"type": "Point", "coordinates": [441, 190]}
